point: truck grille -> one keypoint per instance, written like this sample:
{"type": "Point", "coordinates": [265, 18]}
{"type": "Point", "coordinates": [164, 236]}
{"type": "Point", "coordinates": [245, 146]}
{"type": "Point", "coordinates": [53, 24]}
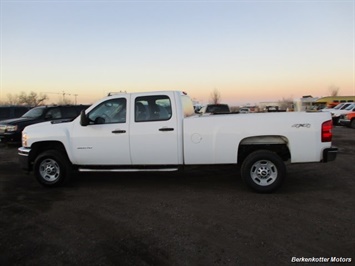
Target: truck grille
{"type": "Point", "coordinates": [2, 128]}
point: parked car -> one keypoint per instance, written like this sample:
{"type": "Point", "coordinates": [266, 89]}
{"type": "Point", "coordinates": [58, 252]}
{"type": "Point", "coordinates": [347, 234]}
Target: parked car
{"type": "Point", "coordinates": [348, 120]}
{"type": "Point", "coordinates": [340, 106]}
{"type": "Point", "coordinates": [337, 113]}
{"type": "Point", "coordinates": [244, 110]}
{"type": "Point", "coordinates": [215, 109]}
{"type": "Point", "coordinates": [13, 111]}
{"type": "Point", "coordinates": [10, 129]}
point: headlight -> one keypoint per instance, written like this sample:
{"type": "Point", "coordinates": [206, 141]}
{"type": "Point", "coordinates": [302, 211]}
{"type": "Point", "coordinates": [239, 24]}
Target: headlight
{"type": "Point", "coordinates": [24, 139]}
{"type": "Point", "coordinates": [10, 128]}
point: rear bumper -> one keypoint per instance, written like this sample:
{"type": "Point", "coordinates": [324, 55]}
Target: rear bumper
{"type": "Point", "coordinates": [329, 154]}
{"type": "Point", "coordinates": [24, 158]}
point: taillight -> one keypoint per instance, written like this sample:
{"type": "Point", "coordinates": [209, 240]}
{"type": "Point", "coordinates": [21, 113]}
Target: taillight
{"type": "Point", "coordinates": [327, 131]}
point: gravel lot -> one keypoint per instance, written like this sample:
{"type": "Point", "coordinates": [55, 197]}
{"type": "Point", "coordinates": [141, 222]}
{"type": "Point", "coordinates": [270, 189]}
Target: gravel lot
{"type": "Point", "coordinates": [197, 217]}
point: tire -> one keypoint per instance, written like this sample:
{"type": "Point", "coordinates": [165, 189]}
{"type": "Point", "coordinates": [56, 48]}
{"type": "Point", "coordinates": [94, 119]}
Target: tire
{"type": "Point", "coordinates": [352, 123]}
{"type": "Point", "coordinates": [263, 171]}
{"type": "Point", "coordinates": [52, 168]}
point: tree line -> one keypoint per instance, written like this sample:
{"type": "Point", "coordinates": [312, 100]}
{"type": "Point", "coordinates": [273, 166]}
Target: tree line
{"type": "Point", "coordinates": [32, 99]}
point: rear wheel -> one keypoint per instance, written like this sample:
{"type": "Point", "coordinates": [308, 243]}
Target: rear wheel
{"type": "Point", "coordinates": [352, 123]}
{"type": "Point", "coordinates": [52, 168]}
{"type": "Point", "coordinates": [263, 171]}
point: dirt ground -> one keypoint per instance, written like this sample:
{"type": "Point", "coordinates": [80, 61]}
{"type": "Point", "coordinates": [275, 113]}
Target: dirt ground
{"type": "Point", "coordinates": [197, 217]}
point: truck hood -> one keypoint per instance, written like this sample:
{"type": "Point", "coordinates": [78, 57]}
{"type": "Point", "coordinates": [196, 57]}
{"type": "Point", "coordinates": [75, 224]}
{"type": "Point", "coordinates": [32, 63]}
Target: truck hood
{"type": "Point", "coordinates": [47, 131]}
{"type": "Point", "coordinates": [15, 121]}
{"type": "Point", "coordinates": [48, 124]}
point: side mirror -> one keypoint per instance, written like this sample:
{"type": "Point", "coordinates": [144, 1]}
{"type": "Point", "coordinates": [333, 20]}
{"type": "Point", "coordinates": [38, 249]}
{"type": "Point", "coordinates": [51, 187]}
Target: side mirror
{"type": "Point", "coordinates": [84, 120]}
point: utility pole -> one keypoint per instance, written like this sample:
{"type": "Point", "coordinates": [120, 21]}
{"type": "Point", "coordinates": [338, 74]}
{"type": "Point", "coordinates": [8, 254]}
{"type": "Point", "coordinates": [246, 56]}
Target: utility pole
{"type": "Point", "coordinates": [75, 95]}
{"type": "Point", "coordinates": [63, 93]}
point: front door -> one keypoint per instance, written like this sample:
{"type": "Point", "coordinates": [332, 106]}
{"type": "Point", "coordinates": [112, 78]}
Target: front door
{"type": "Point", "coordinates": [105, 141]}
{"type": "Point", "coordinates": [153, 130]}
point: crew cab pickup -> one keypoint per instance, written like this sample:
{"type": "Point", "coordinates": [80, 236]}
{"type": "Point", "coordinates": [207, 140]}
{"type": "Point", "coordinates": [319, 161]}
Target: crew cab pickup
{"type": "Point", "coordinates": [159, 131]}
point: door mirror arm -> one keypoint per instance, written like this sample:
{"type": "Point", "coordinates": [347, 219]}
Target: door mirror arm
{"type": "Point", "coordinates": [84, 120]}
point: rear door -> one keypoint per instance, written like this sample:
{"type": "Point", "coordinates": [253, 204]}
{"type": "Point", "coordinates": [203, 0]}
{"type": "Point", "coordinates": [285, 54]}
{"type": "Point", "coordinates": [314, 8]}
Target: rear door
{"type": "Point", "coordinates": [153, 130]}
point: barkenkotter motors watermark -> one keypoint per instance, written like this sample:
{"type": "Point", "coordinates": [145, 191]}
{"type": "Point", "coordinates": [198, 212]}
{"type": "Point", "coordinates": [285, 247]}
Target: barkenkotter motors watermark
{"type": "Point", "coordinates": [321, 260]}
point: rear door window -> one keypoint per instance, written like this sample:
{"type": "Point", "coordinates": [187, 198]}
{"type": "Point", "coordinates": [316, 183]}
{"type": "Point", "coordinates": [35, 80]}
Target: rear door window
{"type": "Point", "coordinates": [152, 108]}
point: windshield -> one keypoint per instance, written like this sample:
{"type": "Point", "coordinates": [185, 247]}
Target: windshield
{"type": "Point", "coordinates": [338, 106]}
{"type": "Point", "coordinates": [344, 106]}
{"type": "Point", "coordinates": [351, 106]}
{"type": "Point", "coordinates": [34, 113]}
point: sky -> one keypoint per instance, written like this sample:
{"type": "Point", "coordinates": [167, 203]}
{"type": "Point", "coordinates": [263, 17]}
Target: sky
{"type": "Point", "coordinates": [250, 51]}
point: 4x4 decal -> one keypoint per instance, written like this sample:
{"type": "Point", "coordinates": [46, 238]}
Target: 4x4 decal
{"type": "Point", "coordinates": [301, 125]}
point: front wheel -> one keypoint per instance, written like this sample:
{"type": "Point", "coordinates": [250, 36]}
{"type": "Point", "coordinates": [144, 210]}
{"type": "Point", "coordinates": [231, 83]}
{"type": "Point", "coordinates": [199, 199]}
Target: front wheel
{"type": "Point", "coordinates": [263, 171]}
{"type": "Point", "coordinates": [52, 168]}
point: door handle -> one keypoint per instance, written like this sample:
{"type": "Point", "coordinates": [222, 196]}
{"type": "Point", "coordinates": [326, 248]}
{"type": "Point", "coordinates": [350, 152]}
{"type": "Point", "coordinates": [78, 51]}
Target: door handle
{"type": "Point", "coordinates": [166, 129]}
{"type": "Point", "coordinates": [118, 131]}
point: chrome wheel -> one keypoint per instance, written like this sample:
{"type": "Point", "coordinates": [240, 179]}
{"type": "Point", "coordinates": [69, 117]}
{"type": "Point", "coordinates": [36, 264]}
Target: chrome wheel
{"type": "Point", "coordinates": [263, 172]}
{"type": "Point", "coordinates": [49, 169]}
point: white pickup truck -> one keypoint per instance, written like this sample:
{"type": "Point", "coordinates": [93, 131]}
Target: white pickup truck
{"type": "Point", "coordinates": [159, 131]}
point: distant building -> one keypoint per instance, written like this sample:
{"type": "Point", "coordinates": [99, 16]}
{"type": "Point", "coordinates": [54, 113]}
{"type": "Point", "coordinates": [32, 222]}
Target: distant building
{"type": "Point", "coordinates": [306, 103]}
{"type": "Point", "coordinates": [263, 106]}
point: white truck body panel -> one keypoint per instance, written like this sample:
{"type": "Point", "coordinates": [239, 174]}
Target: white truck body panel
{"type": "Point", "coordinates": [213, 139]}
{"type": "Point", "coordinates": [149, 145]}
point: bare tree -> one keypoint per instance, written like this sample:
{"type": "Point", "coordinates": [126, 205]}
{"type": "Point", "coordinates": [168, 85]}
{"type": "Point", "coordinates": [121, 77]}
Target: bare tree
{"type": "Point", "coordinates": [215, 96]}
{"type": "Point", "coordinates": [12, 99]}
{"type": "Point", "coordinates": [333, 90]}
{"type": "Point", "coordinates": [32, 99]}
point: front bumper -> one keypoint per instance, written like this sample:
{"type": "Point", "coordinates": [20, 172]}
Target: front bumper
{"type": "Point", "coordinates": [10, 137]}
{"type": "Point", "coordinates": [329, 154]}
{"type": "Point", "coordinates": [24, 158]}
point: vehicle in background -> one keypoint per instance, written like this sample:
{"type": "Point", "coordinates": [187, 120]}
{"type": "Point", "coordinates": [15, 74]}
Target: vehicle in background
{"type": "Point", "coordinates": [340, 106]}
{"type": "Point", "coordinates": [215, 109]}
{"type": "Point", "coordinates": [337, 113]}
{"type": "Point", "coordinates": [247, 109]}
{"type": "Point", "coordinates": [348, 120]}
{"type": "Point", "coordinates": [10, 129]}
{"type": "Point", "coordinates": [13, 111]}
{"type": "Point", "coordinates": [244, 110]}
{"type": "Point", "coordinates": [272, 108]}
{"type": "Point", "coordinates": [331, 101]}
